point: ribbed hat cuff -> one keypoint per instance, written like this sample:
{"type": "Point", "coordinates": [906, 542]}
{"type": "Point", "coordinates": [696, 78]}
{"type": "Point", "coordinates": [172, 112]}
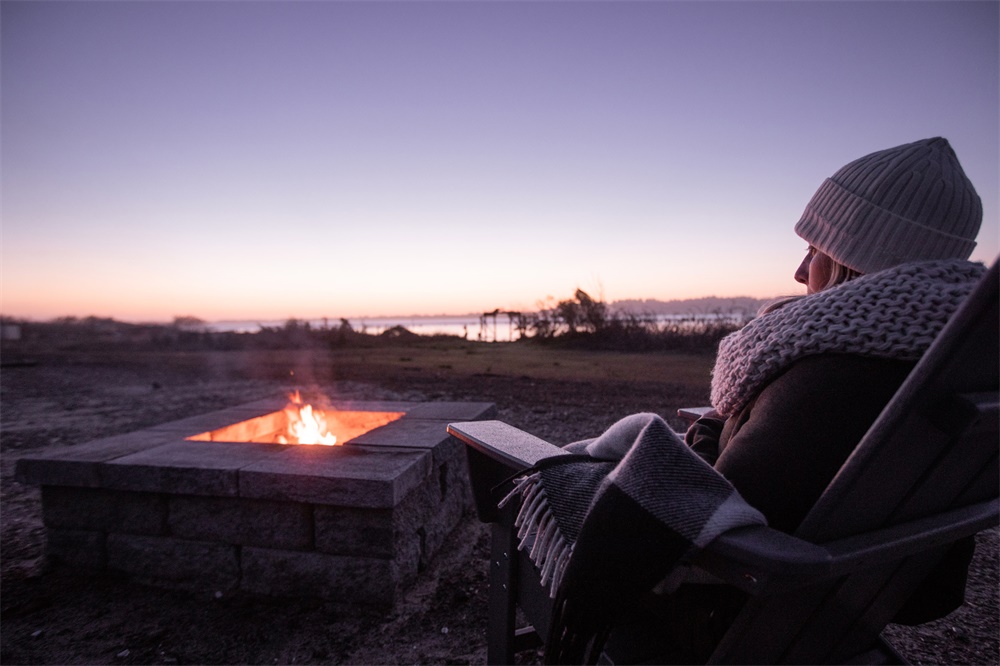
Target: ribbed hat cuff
{"type": "Point", "coordinates": [867, 238]}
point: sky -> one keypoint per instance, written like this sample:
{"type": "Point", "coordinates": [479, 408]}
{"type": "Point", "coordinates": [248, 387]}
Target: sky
{"type": "Point", "coordinates": [240, 160]}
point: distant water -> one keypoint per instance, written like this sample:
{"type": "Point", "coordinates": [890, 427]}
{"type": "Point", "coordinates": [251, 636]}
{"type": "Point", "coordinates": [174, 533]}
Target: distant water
{"type": "Point", "coordinates": [469, 327]}
{"type": "Point", "coordinates": [461, 326]}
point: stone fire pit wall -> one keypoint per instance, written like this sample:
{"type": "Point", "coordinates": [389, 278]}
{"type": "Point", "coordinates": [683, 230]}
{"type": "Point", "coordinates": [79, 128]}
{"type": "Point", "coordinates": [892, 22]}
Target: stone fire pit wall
{"type": "Point", "coordinates": [353, 524]}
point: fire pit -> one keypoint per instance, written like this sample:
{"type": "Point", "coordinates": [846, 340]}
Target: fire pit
{"type": "Point", "coordinates": [300, 423]}
{"type": "Point", "coordinates": [217, 502]}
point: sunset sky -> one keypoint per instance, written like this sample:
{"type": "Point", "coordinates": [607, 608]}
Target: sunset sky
{"type": "Point", "coordinates": [232, 160]}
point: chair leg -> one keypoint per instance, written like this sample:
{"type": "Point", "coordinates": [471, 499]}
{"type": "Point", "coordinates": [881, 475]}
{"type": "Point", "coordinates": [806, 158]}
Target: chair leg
{"type": "Point", "coordinates": [500, 637]}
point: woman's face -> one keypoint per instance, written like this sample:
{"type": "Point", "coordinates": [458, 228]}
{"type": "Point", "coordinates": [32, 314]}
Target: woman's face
{"type": "Point", "coordinates": [814, 271]}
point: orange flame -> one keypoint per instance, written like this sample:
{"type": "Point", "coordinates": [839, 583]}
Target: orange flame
{"type": "Point", "coordinates": [305, 426]}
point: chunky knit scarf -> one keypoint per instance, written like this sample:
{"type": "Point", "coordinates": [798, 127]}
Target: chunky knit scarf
{"type": "Point", "coordinates": [606, 526]}
{"type": "Point", "coordinates": [893, 314]}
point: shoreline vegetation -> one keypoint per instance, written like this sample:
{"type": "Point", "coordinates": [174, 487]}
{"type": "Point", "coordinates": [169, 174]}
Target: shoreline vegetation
{"type": "Point", "coordinates": [581, 322]}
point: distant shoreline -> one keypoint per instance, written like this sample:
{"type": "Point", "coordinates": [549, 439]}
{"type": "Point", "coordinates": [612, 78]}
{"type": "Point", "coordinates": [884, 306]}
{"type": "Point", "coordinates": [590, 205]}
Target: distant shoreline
{"type": "Point", "coordinates": [421, 324]}
{"type": "Point", "coordinates": [694, 307]}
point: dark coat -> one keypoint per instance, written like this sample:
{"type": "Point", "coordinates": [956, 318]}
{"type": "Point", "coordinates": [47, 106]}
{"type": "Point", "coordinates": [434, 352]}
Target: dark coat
{"type": "Point", "coordinates": [780, 452]}
{"type": "Point", "coordinates": [784, 447]}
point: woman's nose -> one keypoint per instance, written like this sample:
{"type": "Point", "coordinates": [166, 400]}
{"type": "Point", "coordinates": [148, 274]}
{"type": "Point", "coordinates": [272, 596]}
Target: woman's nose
{"type": "Point", "coordinates": [802, 272]}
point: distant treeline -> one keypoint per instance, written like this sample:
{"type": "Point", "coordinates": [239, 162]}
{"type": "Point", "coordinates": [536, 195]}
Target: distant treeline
{"type": "Point", "coordinates": [24, 337]}
{"type": "Point", "coordinates": [580, 322]}
{"type": "Point", "coordinates": [184, 334]}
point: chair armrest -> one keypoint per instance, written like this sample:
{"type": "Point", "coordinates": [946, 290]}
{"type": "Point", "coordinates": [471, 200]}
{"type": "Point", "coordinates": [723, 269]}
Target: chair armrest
{"type": "Point", "coordinates": [504, 443]}
{"type": "Point", "coordinates": [748, 557]}
{"type": "Point", "coordinates": [752, 557]}
{"type": "Point", "coordinates": [913, 536]}
{"type": "Point", "coordinates": [495, 451]}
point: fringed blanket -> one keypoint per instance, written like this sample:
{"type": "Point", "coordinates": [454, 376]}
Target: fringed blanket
{"type": "Point", "coordinates": [606, 525]}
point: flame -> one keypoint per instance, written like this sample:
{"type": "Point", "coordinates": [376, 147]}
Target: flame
{"type": "Point", "coordinates": [305, 426]}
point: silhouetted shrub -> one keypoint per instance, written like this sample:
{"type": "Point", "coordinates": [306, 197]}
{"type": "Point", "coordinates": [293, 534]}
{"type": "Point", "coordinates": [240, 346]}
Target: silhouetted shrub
{"type": "Point", "coordinates": [585, 323]}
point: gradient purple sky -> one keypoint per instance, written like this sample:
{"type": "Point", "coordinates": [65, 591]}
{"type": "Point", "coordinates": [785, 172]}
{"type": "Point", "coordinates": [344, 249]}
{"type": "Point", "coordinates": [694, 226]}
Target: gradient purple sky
{"type": "Point", "coordinates": [305, 159]}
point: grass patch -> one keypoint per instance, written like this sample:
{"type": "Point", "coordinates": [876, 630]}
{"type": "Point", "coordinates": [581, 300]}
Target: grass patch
{"type": "Point", "coordinates": [441, 359]}
{"type": "Point", "coordinates": [464, 358]}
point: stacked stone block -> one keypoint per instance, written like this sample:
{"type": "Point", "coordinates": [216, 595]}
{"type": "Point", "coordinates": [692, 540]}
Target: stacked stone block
{"type": "Point", "coordinates": [352, 524]}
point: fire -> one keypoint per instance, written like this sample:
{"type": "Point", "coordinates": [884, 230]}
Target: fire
{"type": "Point", "coordinates": [305, 426]}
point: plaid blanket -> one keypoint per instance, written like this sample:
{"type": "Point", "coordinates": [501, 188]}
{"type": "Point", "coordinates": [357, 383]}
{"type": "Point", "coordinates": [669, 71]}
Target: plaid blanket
{"type": "Point", "coordinates": [605, 525]}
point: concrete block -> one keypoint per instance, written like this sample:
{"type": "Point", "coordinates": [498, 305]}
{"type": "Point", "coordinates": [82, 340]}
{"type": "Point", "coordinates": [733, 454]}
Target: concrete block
{"type": "Point", "coordinates": [355, 531]}
{"type": "Point", "coordinates": [431, 515]}
{"type": "Point", "coordinates": [338, 475]}
{"type": "Point", "coordinates": [104, 510]}
{"type": "Point", "coordinates": [77, 549]}
{"type": "Point", "coordinates": [407, 433]}
{"type": "Point", "coordinates": [194, 425]}
{"type": "Point", "coordinates": [187, 468]}
{"type": "Point", "coordinates": [449, 514]}
{"type": "Point", "coordinates": [262, 406]}
{"type": "Point", "coordinates": [452, 469]}
{"type": "Point", "coordinates": [190, 565]}
{"type": "Point", "coordinates": [449, 470]}
{"type": "Point", "coordinates": [421, 523]}
{"type": "Point", "coordinates": [451, 458]}
{"type": "Point", "coordinates": [351, 581]}
{"type": "Point", "coordinates": [411, 557]}
{"type": "Point", "coordinates": [241, 521]}
{"type": "Point", "coordinates": [276, 404]}
{"type": "Point", "coordinates": [371, 405]}
{"type": "Point", "coordinates": [453, 411]}
{"type": "Point", "coordinates": [78, 465]}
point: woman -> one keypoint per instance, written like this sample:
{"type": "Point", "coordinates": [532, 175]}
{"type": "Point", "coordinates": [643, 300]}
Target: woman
{"type": "Point", "coordinates": [793, 392]}
{"type": "Point", "coordinates": [796, 389]}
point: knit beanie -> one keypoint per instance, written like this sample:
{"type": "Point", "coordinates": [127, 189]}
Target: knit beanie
{"type": "Point", "coordinates": [908, 203]}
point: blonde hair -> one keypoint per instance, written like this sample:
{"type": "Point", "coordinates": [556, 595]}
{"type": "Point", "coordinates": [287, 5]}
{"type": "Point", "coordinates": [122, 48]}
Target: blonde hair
{"type": "Point", "coordinates": [839, 274]}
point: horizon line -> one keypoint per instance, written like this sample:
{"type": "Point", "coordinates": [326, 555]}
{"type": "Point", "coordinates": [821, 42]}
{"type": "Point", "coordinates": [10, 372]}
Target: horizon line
{"type": "Point", "coordinates": [499, 311]}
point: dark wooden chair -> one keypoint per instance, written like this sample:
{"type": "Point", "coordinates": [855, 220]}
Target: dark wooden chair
{"type": "Point", "coordinates": [924, 476]}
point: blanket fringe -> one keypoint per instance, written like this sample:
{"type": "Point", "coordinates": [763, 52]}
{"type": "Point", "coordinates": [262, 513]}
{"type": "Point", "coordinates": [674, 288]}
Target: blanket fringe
{"type": "Point", "coordinates": [539, 530]}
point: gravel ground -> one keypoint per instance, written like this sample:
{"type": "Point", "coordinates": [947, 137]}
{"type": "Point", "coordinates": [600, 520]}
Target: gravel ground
{"type": "Point", "coordinates": [53, 617]}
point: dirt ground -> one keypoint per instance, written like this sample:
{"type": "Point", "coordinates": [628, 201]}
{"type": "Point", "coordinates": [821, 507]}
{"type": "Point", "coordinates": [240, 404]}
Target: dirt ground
{"type": "Point", "coordinates": [54, 617]}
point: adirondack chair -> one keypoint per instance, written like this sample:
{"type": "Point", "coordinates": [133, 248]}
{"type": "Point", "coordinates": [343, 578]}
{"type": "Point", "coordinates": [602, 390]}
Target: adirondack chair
{"type": "Point", "coordinates": [924, 476]}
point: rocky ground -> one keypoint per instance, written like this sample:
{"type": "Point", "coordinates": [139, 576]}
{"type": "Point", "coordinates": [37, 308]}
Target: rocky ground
{"type": "Point", "coordinates": [53, 617]}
